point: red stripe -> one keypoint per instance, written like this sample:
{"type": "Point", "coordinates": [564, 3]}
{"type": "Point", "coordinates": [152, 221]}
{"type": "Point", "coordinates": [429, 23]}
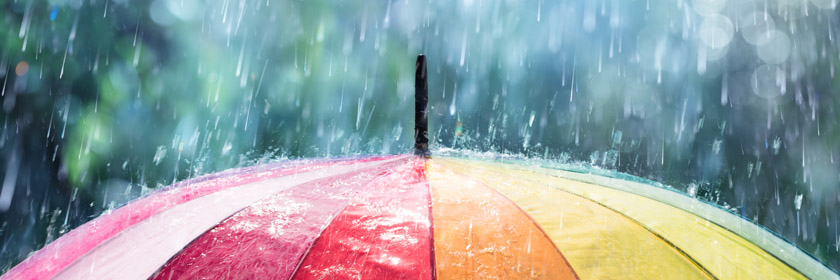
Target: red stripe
{"type": "Point", "coordinates": [56, 256]}
{"type": "Point", "coordinates": [268, 239]}
{"type": "Point", "coordinates": [383, 234]}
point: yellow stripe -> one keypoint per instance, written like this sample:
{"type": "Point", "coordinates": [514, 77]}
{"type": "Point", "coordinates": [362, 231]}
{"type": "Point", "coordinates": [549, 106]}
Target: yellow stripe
{"type": "Point", "coordinates": [786, 252]}
{"type": "Point", "coordinates": [718, 250]}
{"type": "Point", "coordinates": [479, 234]}
{"type": "Point", "coordinates": [599, 243]}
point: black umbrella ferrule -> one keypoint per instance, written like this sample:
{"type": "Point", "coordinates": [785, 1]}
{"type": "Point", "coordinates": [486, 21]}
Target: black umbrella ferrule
{"type": "Point", "coordinates": [421, 102]}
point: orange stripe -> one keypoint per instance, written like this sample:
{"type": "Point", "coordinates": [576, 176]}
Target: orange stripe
{"type": "Point", "coordinates": [478, 233]}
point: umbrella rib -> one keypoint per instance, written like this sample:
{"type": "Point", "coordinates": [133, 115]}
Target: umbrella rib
{"type": "Point", "coordinates": [326, 225]}
{"type": "Point", "coordinates": [684, 253]}
{"type": "Point", "coordinates": [672, 245]}
{"type": "Point", "coordinates": [566, 261]}
{"type": "Point", "coordinates": [75, 266]}
{"type": "Point", "coordinates": [128, 215]}
{"type": "Point", "coordinates": [812, 268]}
{"type": "Point", "coordinates": [431, 221]}
{"type": "Point", "coordinates": [324, 181]}
{"type": "Point", "coordinates": [368, 201]}
{"type": "Point", "coordinates": [320, 233]}
{"type": "Point", "coordinates": [660, 237]}
{"type": "Point", "coordinates": [703, 216]}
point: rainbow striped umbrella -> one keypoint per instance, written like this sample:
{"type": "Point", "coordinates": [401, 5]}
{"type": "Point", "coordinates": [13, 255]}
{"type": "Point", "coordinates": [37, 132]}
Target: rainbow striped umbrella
{"type": "Point", "coordinates": [418, 217]}
{"type": "Point", "coordinates": [410, 217]}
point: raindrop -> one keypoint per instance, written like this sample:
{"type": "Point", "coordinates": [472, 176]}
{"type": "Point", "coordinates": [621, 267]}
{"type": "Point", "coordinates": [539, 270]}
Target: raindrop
{"type": "Point", "coordinates": [160, 13]}
{"type": "Point", "coordinates": [589, 16]}
{"type": "Point", "coordinates": [825, 4]}
{"type": "Point", "coordinates": [769, 81]}
{"type": "Point", "coordinates": [716, 146]}
{"type": "Point", "coordinates": [716, 31]}
{"type": "Point", "coordinates": [159, 154]}
{"type": "Point", "coordinates": [692, 189]}
{"type": "Point", "coordinates": [9, 181]}
{"type": "Point", "coordinates": [797, 202]}
{"type": "Point", "coordinates": [776, 50]}
{"type": "Point", "coordinates": [708, 7]}
{"type": "Point", "coordinates": [757, 28]}
{"type": "Point", "coordinates": [531, 119]}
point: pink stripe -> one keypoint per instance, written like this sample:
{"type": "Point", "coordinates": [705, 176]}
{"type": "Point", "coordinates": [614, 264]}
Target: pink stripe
{"type": "Point", "coordinates": [268, 239]}
{"type": "Point", "coordinates": [384, 234]}
{"type": "Point", "coordinates": [54, 257]}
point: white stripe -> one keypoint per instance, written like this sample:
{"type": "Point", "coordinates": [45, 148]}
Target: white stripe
{"type": "Point", "coordinates": [139, 251]}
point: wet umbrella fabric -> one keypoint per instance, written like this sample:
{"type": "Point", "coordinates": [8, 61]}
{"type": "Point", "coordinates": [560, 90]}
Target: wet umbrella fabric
{"type": "Point", "coordinates": [404, 217]}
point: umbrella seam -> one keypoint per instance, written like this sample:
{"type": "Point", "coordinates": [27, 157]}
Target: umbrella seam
{"type": "Point", "coordinates": [321, 233]}
{"type": "Point", "coordinates": [792, 267]}
{"type": "Point", "coordinates": [185, 184]}
{"type": "Point", "coordinates": [243, 209]}
{"type": "Point", "coordinates": [569, 265]}
{"type": "Point", "coordinates": [684, 253]}
{"type": "Point", "coordinates": [74, 262]}
{"type": "Point", "coordinates": [337, 214]}
{"type": "Point", "coordinates": [425, 180]}
{"type": "Point", "coordinates": [672, 245]}
{"type": "Point", "coordinates": [822, 267]}
{"type": "Point", "coordinates": [678, 208]}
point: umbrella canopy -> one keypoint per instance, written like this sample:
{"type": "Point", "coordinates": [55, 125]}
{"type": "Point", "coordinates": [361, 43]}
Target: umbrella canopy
{"type": "Point", "coordinates": [412, 217]}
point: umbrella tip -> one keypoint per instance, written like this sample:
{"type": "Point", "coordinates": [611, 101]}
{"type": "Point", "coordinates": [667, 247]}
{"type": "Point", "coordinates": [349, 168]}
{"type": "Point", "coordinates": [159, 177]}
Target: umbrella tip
{"type": "Point", "coordinates": [421, 101]}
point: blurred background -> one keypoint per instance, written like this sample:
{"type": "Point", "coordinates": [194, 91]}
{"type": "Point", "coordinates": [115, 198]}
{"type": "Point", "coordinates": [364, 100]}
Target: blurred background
{"type": "Point", "coordinates": [732, 101]}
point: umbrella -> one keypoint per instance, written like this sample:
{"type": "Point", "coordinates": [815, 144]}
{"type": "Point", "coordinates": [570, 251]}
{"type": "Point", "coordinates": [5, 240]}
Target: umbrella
{"type": "Point", "coordinates": [419, 217]}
